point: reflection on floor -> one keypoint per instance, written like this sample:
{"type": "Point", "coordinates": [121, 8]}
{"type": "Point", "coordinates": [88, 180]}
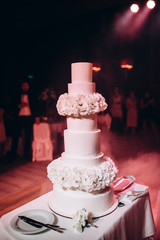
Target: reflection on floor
{"type": "Point", "coordinates": [21, 180]}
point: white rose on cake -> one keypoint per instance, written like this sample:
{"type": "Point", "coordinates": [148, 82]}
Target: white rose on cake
{"type": "Point", "coordinates": [61, 104]}
{"type": "Point", "coordinates": [80, 105]}
{"type": "Point", "coordinates": [83, 107]}
{"type": "Point", "coordinates": [80, 178]}
{"type": "Point", "coordinates": [72, 107]}
{"type": "Point", "coordinates": [87, 181]}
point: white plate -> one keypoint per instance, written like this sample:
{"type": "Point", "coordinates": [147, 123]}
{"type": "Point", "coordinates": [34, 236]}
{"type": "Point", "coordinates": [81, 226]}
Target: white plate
{"type": "Point", "coordinates": [36, 214]}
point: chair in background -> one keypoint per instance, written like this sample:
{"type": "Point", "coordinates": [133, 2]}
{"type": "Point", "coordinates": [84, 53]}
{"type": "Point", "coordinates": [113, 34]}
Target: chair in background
{"type": "Point", "coordinates": [42, 147]}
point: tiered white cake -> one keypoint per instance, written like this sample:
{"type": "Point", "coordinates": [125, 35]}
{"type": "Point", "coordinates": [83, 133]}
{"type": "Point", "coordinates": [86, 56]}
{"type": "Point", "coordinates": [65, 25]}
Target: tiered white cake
{"type": "Point", "coordinates": [82, 175]}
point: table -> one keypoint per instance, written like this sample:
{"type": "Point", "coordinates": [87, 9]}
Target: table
{"type": "Point", "coordinates": [134, 221]}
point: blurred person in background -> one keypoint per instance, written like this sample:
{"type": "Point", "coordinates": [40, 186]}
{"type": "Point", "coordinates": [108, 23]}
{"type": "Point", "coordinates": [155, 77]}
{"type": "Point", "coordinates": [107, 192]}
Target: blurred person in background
{"type": "Point", "coordinates": [117, 101]}
{"type": "Point", "coordinates": [25, 119]}
{"type": "Point", "coordinates": [148, 112]}
{"type": "Point", "coordinates": [132, 113]}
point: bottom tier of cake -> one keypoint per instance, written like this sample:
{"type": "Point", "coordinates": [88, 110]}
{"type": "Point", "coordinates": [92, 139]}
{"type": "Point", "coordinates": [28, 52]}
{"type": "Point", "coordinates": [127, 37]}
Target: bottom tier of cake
{"type": "Point", "coordinates": [68, 202]}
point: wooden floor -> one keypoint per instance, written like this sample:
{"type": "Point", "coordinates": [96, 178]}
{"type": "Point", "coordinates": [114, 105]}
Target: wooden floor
{"type": "Point", "coordinates": [23, 184]}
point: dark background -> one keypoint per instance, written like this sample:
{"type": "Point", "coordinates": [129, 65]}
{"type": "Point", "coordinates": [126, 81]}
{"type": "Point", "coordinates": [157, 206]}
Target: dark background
{"type": "Point", "coordinates": [42, 38]}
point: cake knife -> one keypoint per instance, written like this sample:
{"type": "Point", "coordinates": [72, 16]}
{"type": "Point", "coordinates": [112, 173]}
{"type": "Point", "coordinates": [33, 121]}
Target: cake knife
{"type": "Point", "coordinates": [40, 224]}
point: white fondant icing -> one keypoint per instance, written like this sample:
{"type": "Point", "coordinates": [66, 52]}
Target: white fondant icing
{"type": "Point", "coordinates": [81, 72]}
{"type": "Point", "coordinates": [88, 161]}
{"type": "Point", "coordinates": [88, 123]}
{"type": "Point", "coordinates": [78, 143]}
{"type": "Point", "coordinates": [68, 202]}
{"type": "Point", "coordinates": [81, 88]}
{"type": "Point", "coordinates": [81, 175]}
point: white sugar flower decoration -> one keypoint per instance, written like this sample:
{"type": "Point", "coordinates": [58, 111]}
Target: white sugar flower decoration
{"type": "Point", "coordinates": [82, 178]}
{"type": "Point", "coordinates": [81, 219]}
{"type": "Point", "coordinates": [80, 105]}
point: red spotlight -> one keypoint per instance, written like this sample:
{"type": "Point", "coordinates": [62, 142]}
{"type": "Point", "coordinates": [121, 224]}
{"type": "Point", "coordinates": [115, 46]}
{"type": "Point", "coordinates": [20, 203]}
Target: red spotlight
{"type": "Point", "coordinates": [134, 8]}
{"type": "Point", "coordinates": [151, 4]}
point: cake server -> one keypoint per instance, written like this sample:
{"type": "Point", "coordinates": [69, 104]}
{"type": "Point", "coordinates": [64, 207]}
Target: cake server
{"type": "Point", "coordinates": [40, 224]}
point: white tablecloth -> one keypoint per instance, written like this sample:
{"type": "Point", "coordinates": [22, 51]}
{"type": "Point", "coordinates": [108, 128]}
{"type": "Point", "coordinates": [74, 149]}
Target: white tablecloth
{"type": "Point", "coordinates": [134, 221]}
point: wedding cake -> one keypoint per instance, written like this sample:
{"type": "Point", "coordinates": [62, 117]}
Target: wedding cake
{"type": "Point", "coordinates": [82, 175]}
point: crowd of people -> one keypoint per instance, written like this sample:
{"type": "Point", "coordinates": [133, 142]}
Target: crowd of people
{"type": "Point", "coordinates": [129, 113]}
{"type": "Point", "coordinates": [124, 115]}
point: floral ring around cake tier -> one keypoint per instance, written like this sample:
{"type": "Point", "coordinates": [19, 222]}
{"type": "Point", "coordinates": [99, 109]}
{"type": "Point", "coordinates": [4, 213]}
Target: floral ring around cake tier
{"type": "Point", "coordinates": [80, 105]}
{"type": "Point", "coordinates": [81, 178]}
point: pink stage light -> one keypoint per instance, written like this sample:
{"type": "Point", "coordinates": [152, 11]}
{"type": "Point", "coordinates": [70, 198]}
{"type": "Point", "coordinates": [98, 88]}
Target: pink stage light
{"type": "Point", "coordinates": [151, 4]}
{"type": "Point", "coordinates": [134, 8]}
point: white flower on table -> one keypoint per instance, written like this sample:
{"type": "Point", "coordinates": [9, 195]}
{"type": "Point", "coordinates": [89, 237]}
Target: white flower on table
{"type": "Point", "coordinates": [81, 219]}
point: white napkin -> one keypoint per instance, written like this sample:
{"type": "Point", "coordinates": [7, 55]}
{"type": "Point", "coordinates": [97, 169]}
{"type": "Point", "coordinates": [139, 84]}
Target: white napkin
{"type": "Point", "coordinates": [132, 195]}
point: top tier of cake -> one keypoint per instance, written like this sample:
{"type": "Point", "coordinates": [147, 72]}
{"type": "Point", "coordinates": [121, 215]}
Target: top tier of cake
{"type": "Point", "coordinates": [81, 104]}
{"type": "Point", "coordinates": [81, 72]}
{"type": "Point", "coordinates": [81, 78]}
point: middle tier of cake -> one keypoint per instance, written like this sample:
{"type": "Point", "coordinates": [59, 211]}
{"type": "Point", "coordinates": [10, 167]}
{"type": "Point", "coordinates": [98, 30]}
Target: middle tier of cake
{"type": "Point", "coordinates": [82, 143]}
{"type": "Point", "coordinates": [87, 161]}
